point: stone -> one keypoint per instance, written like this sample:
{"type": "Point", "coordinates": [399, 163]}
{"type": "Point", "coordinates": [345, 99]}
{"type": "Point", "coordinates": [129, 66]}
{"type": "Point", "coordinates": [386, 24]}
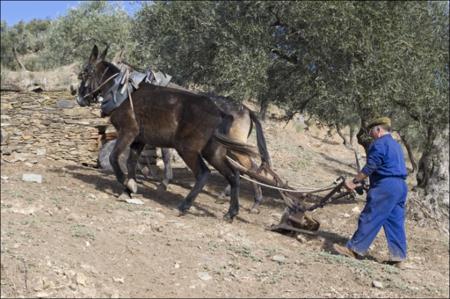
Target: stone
{"type": "Point", "coordinates": [356, 210]}
{"type": "Point", "coordinates": [4, 136]}
{"type": "Point", "coordinates": [118, 279]}
{"type": "Point", "coordinates": [134, 201]}
{"type": "Point", "coordinates": [80, 279]}
{"type": "Point", "coordinates": [65, 104]}
{"type": "Point", "coordinates": [32, 177]}
{"type": "Point", "coordinates": [301, 238]}
{"type": "Point", "coordinates": [377, 284]}
{"type": "Point", "coordinates": [204, 276]}
{"type": "Point", "coordinates": [279, 258]}
{"type": "Point", "coordinates": [41, 151]}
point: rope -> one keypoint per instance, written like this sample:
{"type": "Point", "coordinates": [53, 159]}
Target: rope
{"type": "Point", "coordinates": [131, 100]}
{"type": "Point", "coordinates": [291, 190]}
{"type": "Point", "coordinates": [101, 85]}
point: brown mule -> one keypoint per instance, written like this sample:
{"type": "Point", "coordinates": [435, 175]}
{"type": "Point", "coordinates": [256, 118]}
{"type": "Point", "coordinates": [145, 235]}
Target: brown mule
{"type": "Point", "coordinates": [165, 117]}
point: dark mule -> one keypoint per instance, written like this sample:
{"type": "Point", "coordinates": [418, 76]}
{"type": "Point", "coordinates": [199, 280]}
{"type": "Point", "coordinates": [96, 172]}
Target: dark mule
{"type": "Point", "coordinates": [164, 117]}
{"type": "Point", "coordinates": [241, 127]}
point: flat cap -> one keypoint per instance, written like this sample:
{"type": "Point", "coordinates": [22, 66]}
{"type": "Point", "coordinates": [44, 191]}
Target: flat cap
{"type": "Point", "coordinates": [379, 121]}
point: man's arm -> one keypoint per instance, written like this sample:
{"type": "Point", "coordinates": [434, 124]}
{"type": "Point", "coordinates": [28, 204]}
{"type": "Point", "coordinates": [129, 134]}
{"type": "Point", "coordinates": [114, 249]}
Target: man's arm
{"type": "Point", "coordinates": [374, 160]}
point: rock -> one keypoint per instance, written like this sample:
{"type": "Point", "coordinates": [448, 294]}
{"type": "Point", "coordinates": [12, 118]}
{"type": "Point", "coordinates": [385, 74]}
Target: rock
{"type": "Point", "coordinates": [204, 276]}
{"type": "Point", "coordinates": [42, 295]}
{"type": "Point", "coordinates": [279, 258]}
{"type": "Point", "coordinates": [4, 137]}
{"type": "Point", "coordinates": [377, 284]}
{"type": "Point", "coordinates": [41, 152]}
{"type": "Point", "coordinates": [346, 215]}
{"type": "Point", "coordinates": [47, 284]}
{"type": "Point", "coordinates": [134, 201]}
{"type": "Point", "coordinates": [80, 279]}
{"type": "Point", "coordinates": [65, 104]}
{"type": "Point", "coordinates": [356, 210]}
{"type": "Point", "coordinates": [118, 279]}
{"type": "Point", "coordinates": [73, 217]}
{"type": "Point", "coordinates": [32, 177]}
{"type": "Point", "coordinates": [301, 238]}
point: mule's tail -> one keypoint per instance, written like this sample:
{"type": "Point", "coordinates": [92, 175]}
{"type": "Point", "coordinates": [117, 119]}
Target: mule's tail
{"type": "Point", "coordinates": [234, 145]}
{"type": "Point", "coordinates": [260, 139]}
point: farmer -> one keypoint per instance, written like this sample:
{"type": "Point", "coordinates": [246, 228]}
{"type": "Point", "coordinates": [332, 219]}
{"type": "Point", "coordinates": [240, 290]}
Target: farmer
{"type": "Point", "coordinates": [385, 206]}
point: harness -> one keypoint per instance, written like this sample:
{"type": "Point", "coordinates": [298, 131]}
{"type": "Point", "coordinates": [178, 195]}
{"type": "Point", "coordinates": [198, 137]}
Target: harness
{"type": "Point", "coordinates": [124, 84]}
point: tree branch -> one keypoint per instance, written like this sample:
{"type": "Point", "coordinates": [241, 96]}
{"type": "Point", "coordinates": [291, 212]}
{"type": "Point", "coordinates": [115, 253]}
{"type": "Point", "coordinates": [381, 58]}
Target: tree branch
{"type": "Point", "coordinates": [16, 57]}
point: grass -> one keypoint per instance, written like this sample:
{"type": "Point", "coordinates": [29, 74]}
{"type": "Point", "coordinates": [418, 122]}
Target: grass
{"type": "Point", "coordinates": [362, 267]}
{"type": "Point", "coordinates": [81, 231]}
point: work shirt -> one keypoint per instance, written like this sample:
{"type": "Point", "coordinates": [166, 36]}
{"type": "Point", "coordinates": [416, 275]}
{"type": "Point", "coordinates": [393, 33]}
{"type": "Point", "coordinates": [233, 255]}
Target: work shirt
{"type": "Point", "coordinates": [385, 159]}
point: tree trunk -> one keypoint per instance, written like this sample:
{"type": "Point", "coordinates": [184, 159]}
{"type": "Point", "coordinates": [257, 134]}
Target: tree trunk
{"type": "Point", "coordinates": [352, 134]}
{"type": "Point", "coordinates": [363, 139]}
{"type": "Point", "coordinates": [409, 150]}
{"type": "Point", "coordinates": [263, 109]}
{"type": "Point", "coordinates": [338, 130]}
{"type": "Point", "coordinates": [16, 57]}
{"type": "Point", "coordinates": [425, 163]}
{"type": "Point", "coordinates": [433, 177]}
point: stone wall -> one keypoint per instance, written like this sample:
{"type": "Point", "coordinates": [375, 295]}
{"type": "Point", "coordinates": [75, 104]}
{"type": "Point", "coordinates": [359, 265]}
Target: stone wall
{"type": "Point", "coordinates": [49, 124]}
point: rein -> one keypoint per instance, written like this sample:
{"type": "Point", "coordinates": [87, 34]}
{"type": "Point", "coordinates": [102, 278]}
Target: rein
{"type": "Point", "coordinates": [101, 85]}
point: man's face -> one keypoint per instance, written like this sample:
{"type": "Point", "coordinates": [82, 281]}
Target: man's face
{"type": "Point", "coordinates": [375, 132]}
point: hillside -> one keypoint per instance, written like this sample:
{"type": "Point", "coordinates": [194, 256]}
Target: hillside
{"type": "Point", "coordinates": [69, 236]}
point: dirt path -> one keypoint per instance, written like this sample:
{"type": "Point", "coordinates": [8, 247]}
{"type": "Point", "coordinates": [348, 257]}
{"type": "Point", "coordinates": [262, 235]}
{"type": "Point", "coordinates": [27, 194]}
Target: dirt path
{"type": "Point", "coordinates": [69, 236]}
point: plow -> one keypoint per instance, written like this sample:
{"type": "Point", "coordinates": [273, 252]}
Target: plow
{"type": "Point", "coordinates": [298, 201]}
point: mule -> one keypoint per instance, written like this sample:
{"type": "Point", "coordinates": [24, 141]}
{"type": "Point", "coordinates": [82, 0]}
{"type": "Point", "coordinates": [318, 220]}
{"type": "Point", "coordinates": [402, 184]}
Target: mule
{"type": "Point", "coordinates": [241, 127]}
{"type": "Point", "coordinates": [243, 120]}
{"type": "Point", "coordinates": [165, 117]}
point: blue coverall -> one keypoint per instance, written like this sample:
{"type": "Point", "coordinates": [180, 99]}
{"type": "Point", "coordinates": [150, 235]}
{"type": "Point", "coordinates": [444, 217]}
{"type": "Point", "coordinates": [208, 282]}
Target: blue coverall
{"type": "Point", "coordinates": [386, 198]}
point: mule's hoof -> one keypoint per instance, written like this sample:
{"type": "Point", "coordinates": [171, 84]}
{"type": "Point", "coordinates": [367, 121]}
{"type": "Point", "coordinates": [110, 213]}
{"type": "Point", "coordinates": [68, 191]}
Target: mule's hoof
{"type": "Point", "coordinates": [182, 209]}
{"type": "Point", "coordinates": [181, 213]}
{"type": "Point", "coordinates": [227, 217]}
{"type": "Point", "coordinates": [132, 185]}
{"type": "Point", "coordinates": [162, 187]}
{"type": "Point", "coordinates": [124, 196]}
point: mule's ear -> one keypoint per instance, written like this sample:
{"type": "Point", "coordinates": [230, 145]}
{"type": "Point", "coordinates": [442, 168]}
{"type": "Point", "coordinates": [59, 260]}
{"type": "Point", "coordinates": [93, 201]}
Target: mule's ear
{"type": "Point", "coordinates": [94, 55]}
{"type": "Point", "coordinates": [118, 57]}
{"type": "Point", "coordinates": [103, 55]}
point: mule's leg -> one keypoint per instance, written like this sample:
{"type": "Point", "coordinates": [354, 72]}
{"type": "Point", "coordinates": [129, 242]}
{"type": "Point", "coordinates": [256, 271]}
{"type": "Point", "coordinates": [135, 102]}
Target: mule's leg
{"type": "Point", "coordinates": [195, 162]}
{"type": "Point", "coordinates": [135, 151]}
{"type": "Point", "coordinates": [216, 157]}
{"type": "Point", "coordinates": [168, 174]}
{"type": "Point", "coordinates": [122, 142]}
{"type": "Point", "coordinates": [258, 197]}
{"type": "Point", "coordinates": [248, 163]}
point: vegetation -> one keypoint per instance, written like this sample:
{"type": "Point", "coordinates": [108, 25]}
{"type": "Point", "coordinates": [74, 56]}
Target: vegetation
{"type": "Point", "coordinates": [342, 62]}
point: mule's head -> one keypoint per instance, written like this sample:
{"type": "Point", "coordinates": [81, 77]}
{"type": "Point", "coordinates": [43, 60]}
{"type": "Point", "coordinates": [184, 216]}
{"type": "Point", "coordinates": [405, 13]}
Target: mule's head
{"type": "Point", "coordinates": [91, 77]}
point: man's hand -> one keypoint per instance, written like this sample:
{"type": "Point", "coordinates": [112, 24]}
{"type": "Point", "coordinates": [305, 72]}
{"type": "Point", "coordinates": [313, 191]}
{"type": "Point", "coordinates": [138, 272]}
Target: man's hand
{"type": "Point", "coordinates": [350, 186]}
